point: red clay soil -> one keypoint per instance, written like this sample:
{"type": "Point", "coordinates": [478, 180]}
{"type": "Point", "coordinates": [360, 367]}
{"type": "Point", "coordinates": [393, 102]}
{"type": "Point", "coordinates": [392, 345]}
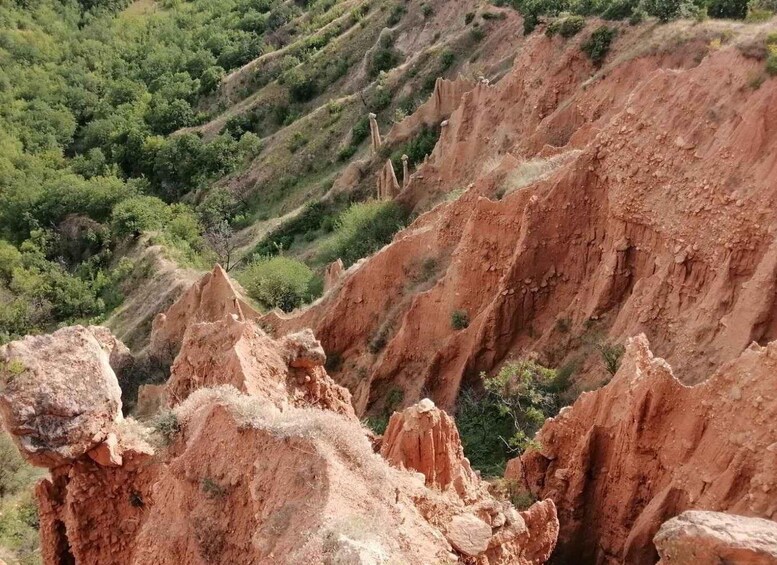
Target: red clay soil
{"type": "Point", "coordinates": [641, 199]}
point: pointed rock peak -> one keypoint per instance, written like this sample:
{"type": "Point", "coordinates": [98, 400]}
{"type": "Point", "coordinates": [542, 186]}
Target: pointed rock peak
{"type": "Point", "coordinates": [425, 439]}
{"type": "Point", "coordinates": [208, 300]}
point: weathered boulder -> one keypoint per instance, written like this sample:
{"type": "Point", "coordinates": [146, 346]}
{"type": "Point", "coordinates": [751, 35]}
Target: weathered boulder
{"type": "Point", "coordinates": [468, 534]}
{"type": "Point", "coordinates": [59, 397]}
{"type": "Point", "coordinates": [696, 537]}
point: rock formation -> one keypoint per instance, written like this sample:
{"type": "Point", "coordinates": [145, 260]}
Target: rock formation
{"type": "Point", "coordinates": [425, 439]}
{"type": "Point", "coordinates": [209, 300]}
{"type": "Point", "coordinates": [388, 185]}
{"type": "Point", "coordinates": [260, 460]}
{"type": "Point", "coordinates": [238, 353]}
{"type": "Point", "coordinates": [405, 171]}
{"type": "Point", "coordinates": [375, 140]}
{"type": "Point", "coordinates": [643, 449]}
{"type": "Point", "coordinates": [333, 273]}
{"type": "Point", "coordinates": [712, 537]}
{"type": "Point", "coordinates": [443, 102]}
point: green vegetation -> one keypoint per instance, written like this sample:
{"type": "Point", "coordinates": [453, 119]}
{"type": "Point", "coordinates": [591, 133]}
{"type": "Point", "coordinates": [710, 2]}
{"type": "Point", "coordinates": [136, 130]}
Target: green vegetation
{"type": "Point", "coordinates": [90, 94]}
{"type": "Point", "coordinates": [771, 57]}
{"type": "Point", "coordinates": [535, 11]}
{"type": "Point", "coordinates": [363, 229]}
{"type": "Point", "coordinates": [18, 509]}
{"type": "Point", "coordinates": [392, 401]}
{"type": "Point", "coordinates": [280, 282]}
{"type": "Point", "coordinates": [566, 27]}
{"type": "Point", "coordinates": [167, 426]}
{"type": "Point", "coordinates": [500, 421]}
{"type": "Point", "coordinates": [459, 319]}
{"type": "Point", "coordinates": [598, 45]}
{"type": "Point", "coordinates": [611, 355]}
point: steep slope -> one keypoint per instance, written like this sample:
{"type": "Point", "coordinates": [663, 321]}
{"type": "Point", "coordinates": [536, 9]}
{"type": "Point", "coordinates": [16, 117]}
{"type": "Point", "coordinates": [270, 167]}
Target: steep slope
{"type": "Point", "coordinates": [595, 203]}
{"type": "Point", "coordinates": [643, 449]}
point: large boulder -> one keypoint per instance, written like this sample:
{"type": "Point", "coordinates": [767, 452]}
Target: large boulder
{"type": "Point", "coordinates": [697, 536]}
{"type": "Point", "coordinates": [59, 396]}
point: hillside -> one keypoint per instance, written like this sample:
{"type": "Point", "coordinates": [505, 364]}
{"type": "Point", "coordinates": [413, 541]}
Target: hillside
{"type": "Point", "coordinates": [475, 207]}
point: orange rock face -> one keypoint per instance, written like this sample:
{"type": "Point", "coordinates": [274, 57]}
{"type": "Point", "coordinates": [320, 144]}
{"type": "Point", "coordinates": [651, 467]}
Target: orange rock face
{"type": "Point", "coordinates": [624, 459]}
{"type": "Point", "coordinates": [210, 299]}
{"type": "Point", "coordinates": [240, 354]}
{"type": "Point", "coordinates": [621, 207]}
{"type": "Point", "coordinates": [425, 439]}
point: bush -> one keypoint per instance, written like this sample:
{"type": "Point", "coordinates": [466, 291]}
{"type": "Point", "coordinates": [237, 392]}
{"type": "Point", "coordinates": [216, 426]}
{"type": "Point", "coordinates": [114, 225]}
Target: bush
{"type": "Point", "coordinates": [363, 229]}
{"type": "Point", "coordinates": [459, 319]}
{"type": "Point", "coordinates": [396, 15]}
{"type": "Point", "coordinates": [447, 59]}
{"type": "Point", "coordinates": [468, 17]}
{"type": "Point", "coordinates": [567, 27]}
{"type": "Point", "coordinates": [611, 356]}
{"type": "Point", "coordinates": [598, 45]}
{"type": "Point", "coordinates": [280, 282]}
{"type": "Point", "coordinates": [360, 131]}
{"type": "Point", "coordinates": [735, 9]}
{"type": "Point", "coordinates": [167, 426]}
{"type": "Point", "coordinates": [384, 58]}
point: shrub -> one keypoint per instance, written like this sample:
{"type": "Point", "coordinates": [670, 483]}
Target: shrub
{"type": "Point", "coordinates": [567, 27]}
{"type": "Point", "coordinates": [396, 15]}
{"type": "Point", "coordinates": [500, 421]}
{"type": "Point", "coordinates": [167, 426]}
{"type": "Point", "coordinates": [363, 229]}
{"type": "Point", "coordinates": [468, 17]}
{"type": "Point", "coordinates": [598, 45]}
{"type": "Point", "coordinates": [664, 10]}
{"type": "Point", "coordinates": [611, 356]}
{"type": "Point", "coordinates": [360, 131]}
{"type": "Point", "coordinates": [459, 319]}
{"type": "Point", "coordinates": [280, 282]}
{"type": "Point", "coordinates": [384, 58]}
{"type": "Point", "coordinates": [447, 59]}
{"type": "Point", "coordinates": [735, 9]}
{"type": "Point", "coordinates": [427, 11]}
